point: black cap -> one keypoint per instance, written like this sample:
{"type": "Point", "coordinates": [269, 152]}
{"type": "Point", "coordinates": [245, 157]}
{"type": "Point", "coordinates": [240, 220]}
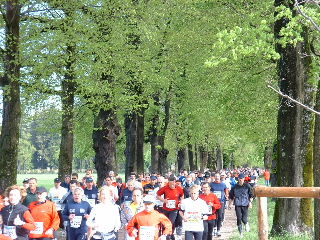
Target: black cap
{"type": "Point", "coordinates": [56, 180]}
{"type": "Point", "coordinates": [26, 180]}
{"type": "Point", "coordinates": [89, 179]}
{"type": "Point", "coordinates": [207, 175]}
{"type": "Point", "coordinates": [41, 190]}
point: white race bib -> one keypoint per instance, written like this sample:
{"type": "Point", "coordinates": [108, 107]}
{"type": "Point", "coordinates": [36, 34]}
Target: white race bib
{"type": "Point", "coordinates": [193, 217]}
{"type": "Point", "coordinates": [76, 222]}
{"type": "Point", "coordinates": [171, 204]}
{"type": "Point", "coordinates": [92, 202]}
{"type": "Point", "coordinates": [10, 231]}
{"type": "Point", "coordinates": [146, 233]}
{"type": "Point", "coordinates": [209, 209]}
{"type": "Point", "coordinates": [39, 229]}
{"type": "Point", "coordinates": [56, 200]}
{"type": "Point", "coordinates": [218, 194]}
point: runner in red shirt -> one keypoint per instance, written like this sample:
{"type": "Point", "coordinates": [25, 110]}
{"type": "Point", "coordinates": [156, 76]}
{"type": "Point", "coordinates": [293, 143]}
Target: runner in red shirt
{"type": "Point", "coordinates": [213, 204]}
{"type": "Point", "coordinates": [173, 194]}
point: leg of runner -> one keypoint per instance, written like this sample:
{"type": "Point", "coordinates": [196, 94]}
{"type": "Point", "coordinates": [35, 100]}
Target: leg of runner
{"type": "Point", "coordinates": [244, 218]}
{"type": "Point", "coordinates": [219, 219]}
{"type": "Point", "coordinates": [211, 224]}
{"type": "Point", "coordinates": [205, 230]}
{"type": "Point", "coordinates": [172, 215]}
{"type": "Point", "coordinates": [239, 218]}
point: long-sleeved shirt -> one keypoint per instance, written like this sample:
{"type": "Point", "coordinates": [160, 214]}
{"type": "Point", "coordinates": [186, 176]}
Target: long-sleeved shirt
{"type": "Point", "coordinates": [147, 223]}
{"type": "Point", "coordinates": [46, 217]}
{"type": "Point", "coordinates": [104, 217]}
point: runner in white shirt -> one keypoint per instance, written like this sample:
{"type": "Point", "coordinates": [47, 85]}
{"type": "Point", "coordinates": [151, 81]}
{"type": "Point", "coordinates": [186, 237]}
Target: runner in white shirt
{"type": "Point", "coordinates": [56, 193]}
{"type": "Point", "coordinates": [104, 219]}
{"type": "Point", "coordinates": [193, 211]}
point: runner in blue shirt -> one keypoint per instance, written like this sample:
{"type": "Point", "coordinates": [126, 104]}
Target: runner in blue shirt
{"type": "Point", "coordinates": [76, 213]}
{"type": "Point", "coordinates": [221, 191]}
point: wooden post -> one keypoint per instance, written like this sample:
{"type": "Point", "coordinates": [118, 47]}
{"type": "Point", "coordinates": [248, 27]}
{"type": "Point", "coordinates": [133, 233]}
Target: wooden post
{"type": "Point", "coordinates": [287, 192]}
{"type": "Point", "coordinates": [263, 217]}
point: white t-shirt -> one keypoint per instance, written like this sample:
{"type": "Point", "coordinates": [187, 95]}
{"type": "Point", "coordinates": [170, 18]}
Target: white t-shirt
{"type": "Point", "coordinates": [193, 211]}
{"type": "Point", "coordinates": [56, 194]}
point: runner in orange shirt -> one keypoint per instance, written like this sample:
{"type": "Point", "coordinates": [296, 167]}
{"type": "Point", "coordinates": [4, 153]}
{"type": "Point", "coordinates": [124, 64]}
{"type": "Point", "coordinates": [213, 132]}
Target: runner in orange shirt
{"type": "Point", "coordinates": [145, 225]}
{"type": "Point", "coordinates": [266, 175]}
{"type": "Point", "coordinates": [45, 215]}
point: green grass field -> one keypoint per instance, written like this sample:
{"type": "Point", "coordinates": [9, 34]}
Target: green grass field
{"type": "Point", "coordinates": [45, 180]}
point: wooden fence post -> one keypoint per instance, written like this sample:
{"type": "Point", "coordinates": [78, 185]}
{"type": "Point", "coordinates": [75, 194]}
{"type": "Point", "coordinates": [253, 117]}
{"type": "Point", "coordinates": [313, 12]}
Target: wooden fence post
{"type": "Point", "coordinates": [263, 217]}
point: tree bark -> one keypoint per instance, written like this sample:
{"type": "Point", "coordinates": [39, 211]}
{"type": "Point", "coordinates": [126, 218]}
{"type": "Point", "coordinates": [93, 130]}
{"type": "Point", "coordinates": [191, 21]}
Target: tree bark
{"type": "Point", "coordinates": [130, 122]}
{"type": "Point", "coordinates": [11, 115]}
{"type": "Point", "coordinates": [203, 156]}
{"type": "Point", "coordinates": [219, 157]}
{"type": "Point", "coordinates": [192, 163]}
{"type": "Point", "coordinates": [67, 128]}
{"type": "Point", "coordinates": [181, 158]}
{"type": "Point", "coordinates": [134, 128]}
{"type": "Point", "coordinates": [316, 165]}
{"type": "Point", "coordinates": [294, 129]}
{"type": "Point", "coordinates": [268, 154]}
{"type": "Point", "coordinates": [105, 138]}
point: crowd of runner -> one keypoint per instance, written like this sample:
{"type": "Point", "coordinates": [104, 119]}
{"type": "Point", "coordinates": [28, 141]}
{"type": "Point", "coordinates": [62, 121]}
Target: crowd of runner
{"type": "Point", "coordinates": [147, 206]}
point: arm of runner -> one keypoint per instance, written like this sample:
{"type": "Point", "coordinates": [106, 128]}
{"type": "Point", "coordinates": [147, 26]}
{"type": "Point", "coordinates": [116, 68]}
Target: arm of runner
{"type": "Point", "coordinates": [29, 224]}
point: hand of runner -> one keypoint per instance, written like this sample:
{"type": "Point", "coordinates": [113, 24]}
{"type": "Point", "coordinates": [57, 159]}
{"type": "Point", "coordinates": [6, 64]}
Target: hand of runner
{"type": "Point", "coordinates": [49, 231]}
{"type": "Point", "coordinates": [17, 221]}
{"type": "Point", "coordinates": [162, 237]}
{"type": "Point", "coordinates": [250, 205]}
{"type": "Point", "coordinates": [135, 233]}
{"type": "Point", "coordinates": [86, 216]}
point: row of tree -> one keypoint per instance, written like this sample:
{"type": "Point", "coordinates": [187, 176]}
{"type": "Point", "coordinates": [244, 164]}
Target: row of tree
{"type": "Point", "coordinates": [131, 71]}
{"type": "Point", "coordinates": [187, 78]}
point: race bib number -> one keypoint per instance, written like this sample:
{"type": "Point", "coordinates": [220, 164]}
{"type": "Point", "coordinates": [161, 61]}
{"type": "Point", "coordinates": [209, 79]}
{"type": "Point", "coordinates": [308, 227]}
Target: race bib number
{"type": "Point", "coordinates": [76, 222]}
{"type": "Point", "coordinates": [193, 217]}
{"type": "Point", "coordinates": [10, 231]}
{"type": "Point", "coordinates": [92, 202]}
{"type": "Point", "coordinates": [218, 194]}
{"type": "Point", "coordinates": [146, 233]}
{"type": "Point", "coordinates": [56, 200]}
{"type": "Point", "coordinates": [39, 228]}
{"type": "Point", "coordinates": [209, 209]}
{"type": "Point", "coordinates": [171, 204]}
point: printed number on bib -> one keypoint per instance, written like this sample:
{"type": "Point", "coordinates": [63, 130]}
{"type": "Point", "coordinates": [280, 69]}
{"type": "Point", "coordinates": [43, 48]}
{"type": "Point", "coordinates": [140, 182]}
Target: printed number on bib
{"type": "Point", "coordinates": [39, 229]}
{"type": "Point", "coordinates": [193, 216]}
{"type": "Point", "coordinates": [10, 231]}
{"type": "Point", "coordinates": [146, 233]}
{"type": "Point", "coordinates": [171, 204]}
{"type": "Point", "coordinates": [218, 194]}
{"type": "Point", "coordinates": [76, 222]}
{"type": "Point", "coordinates": [209, 209]}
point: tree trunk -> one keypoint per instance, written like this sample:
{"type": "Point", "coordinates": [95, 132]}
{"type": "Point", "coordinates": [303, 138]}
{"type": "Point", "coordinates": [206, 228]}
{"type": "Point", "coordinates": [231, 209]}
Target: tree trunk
{"type": "Point", "coordinates": [181, 158]}
{"type": "Point", "coordinates": [316, 165]}
{"type": "Point", "coordinates": [11, 114]}
{"type": "Point", "coordinates": [130, 151]}
{"type": "Point", "coordinates": [212, 165]}
{"type": "Point", "coordinates": [219, 157]}
{"type": "Point", "coordinates": [104, 142]}
{"type": "Point", "coordinates": [294, 130]}
{"type": "Point", "coordinates": [67, 128]}
{"type": "Point", "coordinates": [268, 154]}
{"type": "Point", "coordinates": [192, 163]}
{"type": "Point", "coordinates": [140, 141]}
{"type": "Point", "coordinates": [203, 156]}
